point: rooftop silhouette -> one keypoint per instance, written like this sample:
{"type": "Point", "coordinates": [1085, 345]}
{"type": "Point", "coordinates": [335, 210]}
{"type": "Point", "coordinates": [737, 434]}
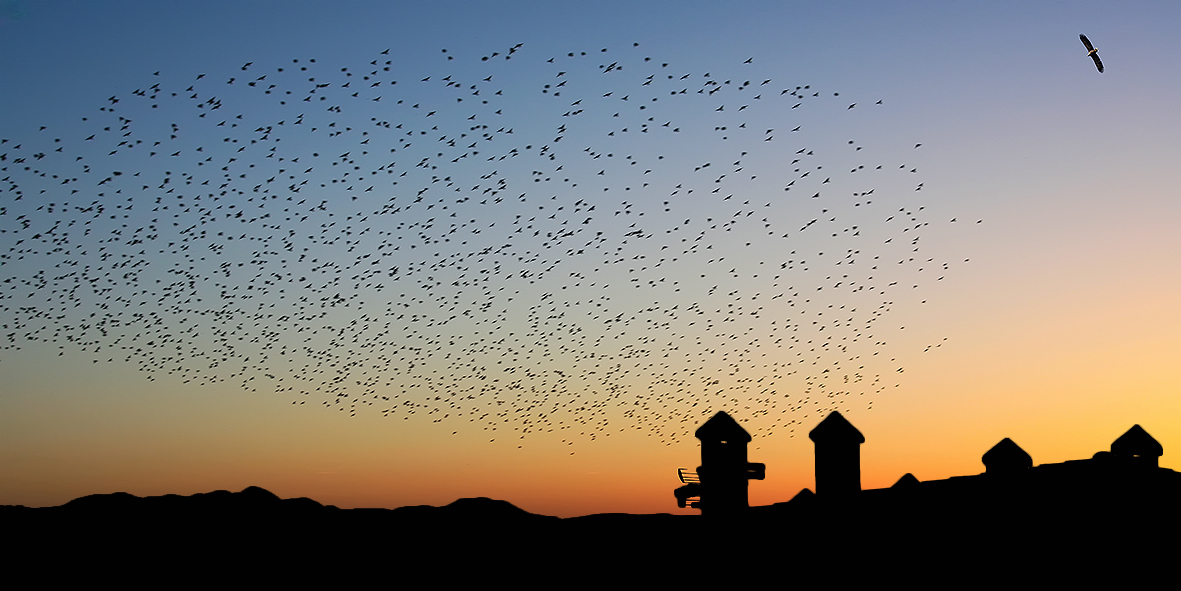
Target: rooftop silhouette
{"type": "Point", "coordinates": [1016, 518]}
{"type": "Point", "coordinates": [1131, 466]}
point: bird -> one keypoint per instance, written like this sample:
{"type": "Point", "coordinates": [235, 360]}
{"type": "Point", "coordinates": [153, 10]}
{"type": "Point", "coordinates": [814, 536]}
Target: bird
{"type": "Point", "coordinates": [1092, 52]}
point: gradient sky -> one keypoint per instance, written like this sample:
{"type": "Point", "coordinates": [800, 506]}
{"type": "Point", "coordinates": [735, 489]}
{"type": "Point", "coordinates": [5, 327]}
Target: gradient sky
{"type": "Point", "coordinates": [1054, 323]}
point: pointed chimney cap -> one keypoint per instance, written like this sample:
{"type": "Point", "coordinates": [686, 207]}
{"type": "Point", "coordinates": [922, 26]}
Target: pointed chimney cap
{"type": "Point", "coordinates": [835, 428]}
{"type": "Point", "coordinates": [1137, 442]}
{"type": "Point", "coordinates": [1005, 456]}
{"type": "Point", "coordinates": [722, 428]}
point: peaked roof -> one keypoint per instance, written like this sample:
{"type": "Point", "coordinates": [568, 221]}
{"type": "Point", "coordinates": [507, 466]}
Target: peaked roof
{"type": "Point", "coordinates": [908, 480]}
{"type": "Point", "coordinates": [1006, 455]}
{"type": "Point", "coordinates": [835, 428]}
{"type": "Point", "coordinates": [1137, 442]}
{"type": "Point", "coordinates": [722, 428]}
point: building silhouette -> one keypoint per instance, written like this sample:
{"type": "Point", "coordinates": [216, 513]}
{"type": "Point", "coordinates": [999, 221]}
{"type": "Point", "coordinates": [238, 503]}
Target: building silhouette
{"type": "Point", "coordinates": [721, 483]}
{"type": "Point", "coordinates": [1097, 492]}
{"type": "Point", "coordinates": [838, 456]}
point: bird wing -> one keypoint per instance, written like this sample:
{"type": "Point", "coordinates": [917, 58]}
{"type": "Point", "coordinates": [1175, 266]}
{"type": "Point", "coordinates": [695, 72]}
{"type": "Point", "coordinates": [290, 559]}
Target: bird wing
{"type": "Point", "coordinates": [1098, 64]}
{"type": "Point", "coordinates": [1086, 42]}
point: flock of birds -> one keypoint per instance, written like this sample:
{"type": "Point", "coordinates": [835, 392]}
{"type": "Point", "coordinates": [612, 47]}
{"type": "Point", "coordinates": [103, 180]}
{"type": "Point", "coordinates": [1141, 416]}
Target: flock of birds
{"type": "Point", "coordinates": [575, 244]}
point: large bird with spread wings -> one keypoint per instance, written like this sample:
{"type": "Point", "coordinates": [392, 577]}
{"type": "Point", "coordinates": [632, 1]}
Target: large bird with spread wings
{"type": "Point", "coordinates": [1091, 51]}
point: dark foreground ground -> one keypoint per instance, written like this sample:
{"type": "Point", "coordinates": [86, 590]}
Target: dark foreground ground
{"type": "Point", "coordinates": [253, 537]}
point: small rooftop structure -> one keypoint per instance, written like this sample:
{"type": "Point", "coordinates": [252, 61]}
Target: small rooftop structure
{"type": "Point", "coordinates": [721, 482]}
{"type": "Point", "coordinates": [1139, 446]}
{"type": "Point", "coordinates": [1006, 457]}
{"type": "Point", "coordinates": [907, 481]}
{"type": "Point", "coordinates": [838, 456]}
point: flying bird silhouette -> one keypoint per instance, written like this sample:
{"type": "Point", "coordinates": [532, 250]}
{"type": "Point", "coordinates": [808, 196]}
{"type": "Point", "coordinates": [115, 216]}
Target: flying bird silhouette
{"type": "Point", "coordinates": [1092, 52]}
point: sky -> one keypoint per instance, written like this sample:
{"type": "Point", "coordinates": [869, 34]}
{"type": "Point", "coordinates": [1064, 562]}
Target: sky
{"type": "Point", "coordinates": [522, 250]}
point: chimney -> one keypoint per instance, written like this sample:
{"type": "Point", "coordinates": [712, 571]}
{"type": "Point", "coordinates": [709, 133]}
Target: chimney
{"type": "Point", "coordinates": [838, 457]}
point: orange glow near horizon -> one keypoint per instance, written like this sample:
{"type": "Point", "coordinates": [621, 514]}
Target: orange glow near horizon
{"type": "Point", "coordinates": [103, 446]}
